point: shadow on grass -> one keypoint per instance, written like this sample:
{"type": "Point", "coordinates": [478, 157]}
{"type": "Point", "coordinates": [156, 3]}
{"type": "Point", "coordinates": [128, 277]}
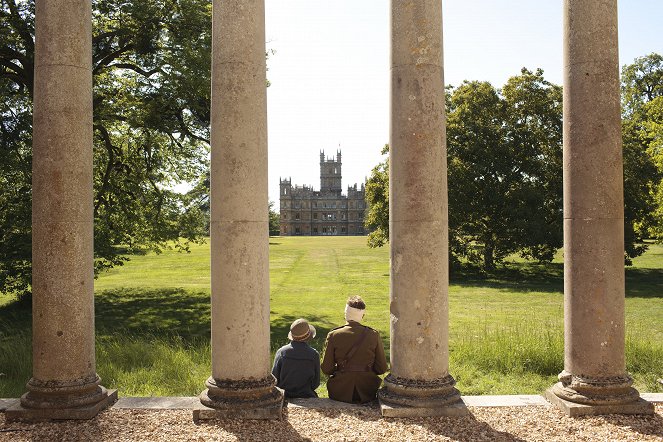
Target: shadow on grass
{"type": "Point", "coordinates": [154, 312]}
{"type": "Point", "coordinates": [518, 277]}
{"type": "Point", "coordinates": [549, 278]}
{"type": "Point", "coordinates": [644, 283]}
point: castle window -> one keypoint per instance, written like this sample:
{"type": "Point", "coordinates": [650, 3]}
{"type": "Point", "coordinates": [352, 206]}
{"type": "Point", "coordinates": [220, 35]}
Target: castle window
{"type": "Point", "coordinates": [315, 215]}
{"type": "Point", "coordinates": [342, 229]}
{"type": "Point", "coordinates": [296, 215]}
{"type": "Point", "coordinates": [297, 230]}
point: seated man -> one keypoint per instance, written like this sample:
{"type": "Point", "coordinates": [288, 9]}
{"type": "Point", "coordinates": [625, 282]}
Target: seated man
{"type": "Point", "coordinates": [297, 365]}
{"type": "Point", "coordinates": [353, 357]}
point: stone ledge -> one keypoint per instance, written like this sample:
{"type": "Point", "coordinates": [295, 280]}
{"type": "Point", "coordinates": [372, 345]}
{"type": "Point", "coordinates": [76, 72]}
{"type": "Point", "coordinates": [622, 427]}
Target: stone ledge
{"type": "Point", "coordinates": [573, 409]}
{"type": "Point", "coordinates": [6, 403]}
{"type": "Point", "coordinates": [457, 409]}
{"type": "Point", "coordinates": [327, 404]}
{"type": "Point", "coordinates": [17, 412]}
{"type": "Point", "coordinates": [158, 403]}
{"type": "Point", "coordinates": [193, 402]}
{"type": "Point", "coordinates": [521, 400]}
{"type": "Point", "coordinates": [202, 412]}
{"type": "Point", "coordinates": [656, 398]}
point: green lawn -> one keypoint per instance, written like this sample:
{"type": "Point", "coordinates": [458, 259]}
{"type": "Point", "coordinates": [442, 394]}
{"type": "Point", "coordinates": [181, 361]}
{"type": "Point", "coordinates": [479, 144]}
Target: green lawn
{"type": "Point", "coordinates": [506, 333]}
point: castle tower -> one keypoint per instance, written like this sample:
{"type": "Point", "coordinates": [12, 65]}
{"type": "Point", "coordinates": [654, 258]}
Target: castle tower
{"type": "Point", "coordinates": [330, 174]}
{"type": "Point", "coordinates": [286, 188]}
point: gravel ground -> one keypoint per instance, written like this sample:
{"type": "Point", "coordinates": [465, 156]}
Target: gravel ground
{"type": "Point", "coordinates": [485, 424]}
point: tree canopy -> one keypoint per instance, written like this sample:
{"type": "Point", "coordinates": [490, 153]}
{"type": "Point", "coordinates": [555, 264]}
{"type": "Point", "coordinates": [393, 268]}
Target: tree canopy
{"type": "Point", "coordinates": [504, 150]}
{"type": "Point", "coordinates": [151, 64]}
{"type": "Point", "coordinates": [642, 128]}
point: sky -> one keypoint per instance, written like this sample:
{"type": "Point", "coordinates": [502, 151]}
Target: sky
{"type": "Point", "coordinates": [329, 69]}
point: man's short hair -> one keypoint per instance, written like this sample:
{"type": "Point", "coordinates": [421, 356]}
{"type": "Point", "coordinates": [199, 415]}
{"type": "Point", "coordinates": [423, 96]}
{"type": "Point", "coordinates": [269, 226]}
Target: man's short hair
{"type": "Point", "coordinates": [356, 302]}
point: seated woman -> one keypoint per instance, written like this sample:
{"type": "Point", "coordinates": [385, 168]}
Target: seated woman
{"type": "Point", "coordinates": [353, 357]}
{"type": "Point", "coordinates": [297, 365]}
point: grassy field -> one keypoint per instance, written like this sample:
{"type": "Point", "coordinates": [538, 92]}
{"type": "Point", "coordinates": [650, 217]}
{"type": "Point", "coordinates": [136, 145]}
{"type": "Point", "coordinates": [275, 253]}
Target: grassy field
{"type": "Point", "coordinates": [506, 328]}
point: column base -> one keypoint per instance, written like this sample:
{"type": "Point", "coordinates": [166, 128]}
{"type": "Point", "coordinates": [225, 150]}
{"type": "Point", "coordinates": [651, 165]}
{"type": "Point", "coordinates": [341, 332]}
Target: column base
{"type": "Point", "coordinates": [574, 409]}
{"type": "Point", "coordinates": [18, 412]}
{"type": "Point", "coordinates": [240, 399]}
{"type": "Point", "coordinates": [402, 397]}
{"type": "Point", "coordinates": [73, 399]}
{"type": "Point", "coordinates": [583, 395]}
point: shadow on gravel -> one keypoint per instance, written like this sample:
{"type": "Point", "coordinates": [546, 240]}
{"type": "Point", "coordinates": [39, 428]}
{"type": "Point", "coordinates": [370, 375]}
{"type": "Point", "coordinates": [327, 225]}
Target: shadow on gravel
{"type": "Point", "coordinates": [466, 428]}
{"type": "Point", "coordinates": [247, 430]}
{"type": "Point", "coordinates": [646, 425]}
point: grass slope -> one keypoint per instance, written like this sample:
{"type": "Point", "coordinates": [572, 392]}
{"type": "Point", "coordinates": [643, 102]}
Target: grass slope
{"type": "Point", "coordinates": [506, 328]}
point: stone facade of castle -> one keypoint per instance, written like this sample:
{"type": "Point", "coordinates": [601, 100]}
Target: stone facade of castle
{"type": "Point", "coordinates": [305, 211]}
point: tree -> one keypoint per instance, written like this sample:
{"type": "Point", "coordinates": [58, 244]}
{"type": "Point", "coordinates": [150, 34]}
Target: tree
{"type": "Point", "coordinates": [481, 175]}
{"type": "Point", "coordinates": [642, 130]}
{"type": "Point", "coordinates": [151, 62]}
{"type": "Point", "coordinates": [377, 201]}
{"type": "Point", "coordinates": [534, 129]}
{"type": "Point", "coordinates": [505, 170]}
{"type": "Point", "coordinates": [274, 220]}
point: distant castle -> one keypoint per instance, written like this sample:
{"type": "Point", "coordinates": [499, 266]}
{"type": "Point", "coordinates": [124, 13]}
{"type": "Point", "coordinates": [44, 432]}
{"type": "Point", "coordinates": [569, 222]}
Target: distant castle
{"type": "Point", "coordinates": [327, 212]}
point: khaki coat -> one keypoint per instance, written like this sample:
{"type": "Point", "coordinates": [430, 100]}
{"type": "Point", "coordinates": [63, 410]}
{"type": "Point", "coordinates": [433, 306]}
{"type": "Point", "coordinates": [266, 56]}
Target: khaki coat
{"type": "Point", "coordinates": [342, 384]}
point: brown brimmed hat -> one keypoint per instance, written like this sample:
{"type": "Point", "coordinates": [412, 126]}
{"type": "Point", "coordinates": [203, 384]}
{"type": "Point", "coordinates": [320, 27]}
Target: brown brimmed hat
{"type": "Point", "coordinates": [301, 331]}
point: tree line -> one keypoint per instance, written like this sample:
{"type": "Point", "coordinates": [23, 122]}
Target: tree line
{"type": "Point", "coordinates": [504, 157]}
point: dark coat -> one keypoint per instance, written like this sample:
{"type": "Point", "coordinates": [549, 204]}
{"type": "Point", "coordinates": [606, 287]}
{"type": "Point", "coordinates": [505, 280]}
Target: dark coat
{"type": "Point", "coordinates": [370, 354]}
{"type": "Point", "coordinates": [297, 369]}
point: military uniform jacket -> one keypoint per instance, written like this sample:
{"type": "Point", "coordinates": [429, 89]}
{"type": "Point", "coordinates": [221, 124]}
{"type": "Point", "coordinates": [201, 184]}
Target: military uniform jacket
{"type": "Point", "coordinates": [360, 375]}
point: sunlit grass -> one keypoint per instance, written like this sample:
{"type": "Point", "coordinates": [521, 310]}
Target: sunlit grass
{"type": "Point", "coordinates": [506, 328]}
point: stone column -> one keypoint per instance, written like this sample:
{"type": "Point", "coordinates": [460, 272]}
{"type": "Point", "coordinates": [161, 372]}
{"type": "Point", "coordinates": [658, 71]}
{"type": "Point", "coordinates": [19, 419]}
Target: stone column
{"type": "Point", "coordinates": [419, 383]}
{"type": "Point", "coordinates": [594, 380]}
{"type": "Point", "coordinates": [64, 384]}
{"type": "Point", "coordinates": [241, 384]}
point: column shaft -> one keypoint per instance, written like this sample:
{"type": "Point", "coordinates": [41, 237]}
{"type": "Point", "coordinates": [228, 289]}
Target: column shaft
{"type": "Point", "coordinates": [64, 374]}
{"type": "Point", "coordinates": [594, 366]}
{"type": "Point", "coordinates": [418, 211]}
{"type": "Point", "coordinates": [241, 376]}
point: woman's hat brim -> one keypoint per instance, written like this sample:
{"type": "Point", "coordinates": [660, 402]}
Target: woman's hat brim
{"type": "Point", "coordinates": [307, 337]}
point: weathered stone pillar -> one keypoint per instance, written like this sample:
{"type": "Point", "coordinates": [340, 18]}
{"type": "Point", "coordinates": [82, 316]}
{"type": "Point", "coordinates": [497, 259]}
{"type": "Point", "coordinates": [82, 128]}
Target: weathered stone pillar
{"type": "Point", "coordinates": [64, 384]}
{"type": "Point", "coordinates": [419, 383]}
{"type": "Point", "coordinates": [594, 380]}
{"type": "Point", "coordinates": [241, 384]}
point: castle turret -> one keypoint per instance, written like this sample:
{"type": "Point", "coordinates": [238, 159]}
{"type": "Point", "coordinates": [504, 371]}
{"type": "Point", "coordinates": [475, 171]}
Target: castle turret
{"type": "Point", "coordinates": [330, 174]}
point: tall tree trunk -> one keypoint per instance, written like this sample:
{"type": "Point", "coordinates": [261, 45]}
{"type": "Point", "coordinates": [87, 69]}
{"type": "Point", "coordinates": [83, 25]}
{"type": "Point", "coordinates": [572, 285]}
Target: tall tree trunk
{"type": "Point", "coordinates": [489, 255]}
